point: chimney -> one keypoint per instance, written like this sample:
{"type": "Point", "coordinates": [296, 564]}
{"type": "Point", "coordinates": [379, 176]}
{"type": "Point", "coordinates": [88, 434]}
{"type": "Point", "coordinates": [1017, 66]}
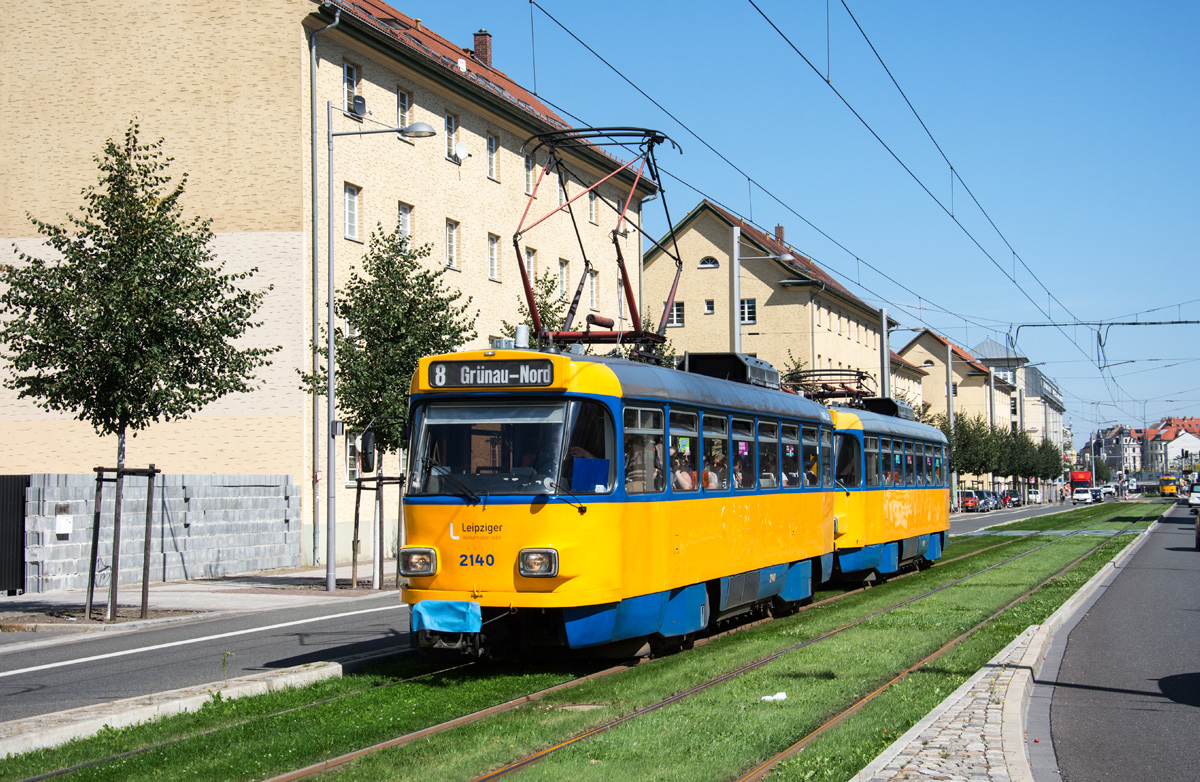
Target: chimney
{"type": "Point", "coordinates": [483, 47]}
{"type": "Point", "coordinates": [779, 233]}
{"type": "Point", "coordinates": [418, 22]}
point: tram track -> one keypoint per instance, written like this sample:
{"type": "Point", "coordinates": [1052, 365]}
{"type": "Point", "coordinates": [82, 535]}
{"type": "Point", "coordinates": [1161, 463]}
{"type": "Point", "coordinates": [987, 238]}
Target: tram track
{"type": "Point", "coordinates": [514, 703]}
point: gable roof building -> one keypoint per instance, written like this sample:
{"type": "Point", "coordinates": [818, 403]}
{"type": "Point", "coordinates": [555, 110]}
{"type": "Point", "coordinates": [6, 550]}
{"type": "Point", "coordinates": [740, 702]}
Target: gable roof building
{"type": "Point", "coordinates": [789, 311]}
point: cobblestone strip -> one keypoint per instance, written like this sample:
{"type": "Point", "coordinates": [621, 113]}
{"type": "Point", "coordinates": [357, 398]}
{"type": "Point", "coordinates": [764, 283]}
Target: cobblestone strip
{"type": "Point", "coordinates": [962, 738]}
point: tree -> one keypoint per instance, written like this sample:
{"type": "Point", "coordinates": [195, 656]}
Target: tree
{"type": "Point", "coordinates": [401, 311]}
{"type": "Point", "coordinates": [135, 321]}
{"type": "Point", "coordinates": [1049, 461]}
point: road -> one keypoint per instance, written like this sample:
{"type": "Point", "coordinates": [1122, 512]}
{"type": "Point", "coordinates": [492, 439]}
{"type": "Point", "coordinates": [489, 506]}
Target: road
{"type": "Point", "coordinates": [104, 667]}
{"type": "Point", "coordinates": [961, 523]}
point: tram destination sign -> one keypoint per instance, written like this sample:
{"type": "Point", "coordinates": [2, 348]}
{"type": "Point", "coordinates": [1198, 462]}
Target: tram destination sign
{"type": "Point", "coordinates": [491, 374]}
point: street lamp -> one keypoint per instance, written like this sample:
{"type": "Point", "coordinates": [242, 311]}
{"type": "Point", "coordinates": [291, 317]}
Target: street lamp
{"type": "Point", "coordinates": [415, 130]}
{"type": "Point", "coordinates": [735, 315]}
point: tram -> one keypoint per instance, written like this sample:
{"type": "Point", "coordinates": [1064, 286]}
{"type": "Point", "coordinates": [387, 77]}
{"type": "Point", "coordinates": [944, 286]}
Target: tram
{"type": "Point", "coordinates": [564, 500]}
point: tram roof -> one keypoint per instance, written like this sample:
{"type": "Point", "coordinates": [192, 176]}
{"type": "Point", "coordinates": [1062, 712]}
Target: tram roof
{"type": "Point", "coordinates": [648, 381]}
{"type": "Point", "coordinates": [896, 427]}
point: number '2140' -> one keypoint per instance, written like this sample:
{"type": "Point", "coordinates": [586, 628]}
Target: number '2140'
{"type": "Point", "coordinates": [467, 560]}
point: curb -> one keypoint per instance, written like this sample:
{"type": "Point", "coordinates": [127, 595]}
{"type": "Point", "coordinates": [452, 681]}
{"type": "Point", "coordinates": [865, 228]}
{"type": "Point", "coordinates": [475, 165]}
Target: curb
{"type": "Point", "coordinates": [51, 730]}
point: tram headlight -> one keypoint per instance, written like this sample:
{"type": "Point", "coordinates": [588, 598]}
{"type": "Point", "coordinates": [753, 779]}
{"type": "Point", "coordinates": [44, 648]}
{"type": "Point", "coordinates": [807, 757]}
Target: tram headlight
{"type": "Point", "coordinates": [418, 562]}
{"type": "Point", "coordinates": [538, 562]}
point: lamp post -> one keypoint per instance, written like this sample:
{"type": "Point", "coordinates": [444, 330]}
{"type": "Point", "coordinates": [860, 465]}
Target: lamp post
{"type": "Point", "coordinates": [415, 130]}
{"type": "Point", "coordinates": [735, 271]}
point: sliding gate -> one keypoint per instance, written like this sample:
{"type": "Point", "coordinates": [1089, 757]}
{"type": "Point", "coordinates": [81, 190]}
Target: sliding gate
{"type": "Point", "coordinates": [12, 533]}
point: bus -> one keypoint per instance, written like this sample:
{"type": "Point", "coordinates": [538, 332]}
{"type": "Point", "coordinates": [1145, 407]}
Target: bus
{"type": "Point", "coordinates": [1168, 486]}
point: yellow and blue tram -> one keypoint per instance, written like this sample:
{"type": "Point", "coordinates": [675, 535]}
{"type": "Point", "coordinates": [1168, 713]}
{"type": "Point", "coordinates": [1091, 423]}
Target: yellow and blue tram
{"type": "Point", "coordinates": [562, 500]}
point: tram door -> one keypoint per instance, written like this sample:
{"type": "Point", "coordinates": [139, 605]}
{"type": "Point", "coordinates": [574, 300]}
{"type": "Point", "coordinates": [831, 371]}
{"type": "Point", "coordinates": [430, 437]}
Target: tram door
{"type": "Point", "coordinates": [849, 503]}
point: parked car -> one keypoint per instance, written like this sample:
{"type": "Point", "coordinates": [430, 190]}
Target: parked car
{"type": "Point", "coordinates": [1194, 500]}
{"type": "Point", "coordinates": [1012, 498]}
{"type": "Point", "coordinates": [967, 501]}
{"type": "Point", "coordinates": [997, 502]}
{"type": "Point", "coordinates": [1108, 490]}
{"type": "Point", "coordinates": [1081, 495]}
{"type": "Point", "coordinates": [987, 499]}
{"type": "Point", "coordinates": [1035, 496]}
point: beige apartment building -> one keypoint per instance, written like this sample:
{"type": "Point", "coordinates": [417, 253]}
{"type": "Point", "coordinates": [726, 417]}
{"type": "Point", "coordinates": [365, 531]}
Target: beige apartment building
{"type": "Point", "coordinates": [788, 311]}
{"type": "Point", "coordinates": [228, 89]}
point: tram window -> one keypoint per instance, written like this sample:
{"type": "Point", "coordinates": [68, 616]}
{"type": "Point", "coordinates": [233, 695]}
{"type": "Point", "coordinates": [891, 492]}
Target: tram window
{"type": "Point", "coordinates": [827, 458]}
{"type": "Point", "coordinates": [684, 438]}
{"type": "Point", "coordinates": [768, 455]}
{"type": "Point", "coordinates": [810, 457]}
{"type": "Point", "coordinates": [644, 437]}
{"type": "Point", "coordinates": [716, 453]}
{"type": "Point", "coordinates": [910, 465]}
{"type": "Point", "coordinates": [871, 449]}
{"type": "Point", "coordinates": [849, 461]}
{"type": "Point", "coordinates": [945, 465]}
{"type": "Point", "coordinates": [885, 461]}
{"type": "Point", "coordinates": [789, 454]}
{"type": "Point", "coordinates": [920, 463]}
{"type": "Point", "coordinates": [898, 462]}
{"type": "Point", "coordinates": [930, 473]}
{"type": "Point", "coordinates": [744, 472]}
{"type": "Point", "coordinates": [587, 466]}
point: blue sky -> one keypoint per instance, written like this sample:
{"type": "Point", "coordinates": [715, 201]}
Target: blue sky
{"type": "Point", "coordinates": [1073, 123]}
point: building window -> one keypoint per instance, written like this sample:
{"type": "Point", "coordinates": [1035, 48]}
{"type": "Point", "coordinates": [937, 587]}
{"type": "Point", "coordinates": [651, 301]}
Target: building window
{"type": "Point", "coordinates": [592, 206]}
{"type": "Point", "coordinates": [404, 219]}
{"type": "Point", "coordinates": [493, 154]}
{"type": "Point", "coordinates": [593, 294]}
{"type": "Point", "coordinates": [562, 189]}
{"type": "Point", "coordinates": [528, 174]}
{"type": "Point", "coordinates": [709, 307]}
{"type": "Point", "coordinates": [351, 195]}
{"type": "Point", "coordinates": [563, 267]}
{"type": "Point", "coordinates": [350, 86]}
{"type": "Point", "coordinates": [452, 137]}
{"type": "Point", "coordinates": [351, 458]}
{"type": "Point", "coordinates": [493, 257]}
{"type": "Point", "coordinates": [452, 244]}
{"type": "Point", "coordinates": [403, 108]}
{"type": "Point", "coordinates": [709, 262]}
{"type": "Point", "coordinates": [954, 389]}
{"type": "Point", "coordinates": [749, 311]}
{"type": "Point", "coordinates": [1013, 406]}
{"type": "Point", "coordinates": [531, 261]}
{"type": "Point", "coordinates": [676, 316]}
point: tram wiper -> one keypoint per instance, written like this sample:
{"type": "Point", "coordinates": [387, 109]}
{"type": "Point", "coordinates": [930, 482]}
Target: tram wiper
{"type": "Point", "coordinates": [463, 490]}
{"type": "Point", "coordinates": [578, 504]}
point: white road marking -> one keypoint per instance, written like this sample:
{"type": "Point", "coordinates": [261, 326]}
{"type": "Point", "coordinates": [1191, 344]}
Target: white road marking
{"type": "Point", "coordinates": [192, 641]}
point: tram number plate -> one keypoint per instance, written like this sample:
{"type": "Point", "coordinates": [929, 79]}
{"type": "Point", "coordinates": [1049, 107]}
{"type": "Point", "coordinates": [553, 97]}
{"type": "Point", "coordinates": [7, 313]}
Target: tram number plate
{"type": "Point", "coordinates": [476, 560]}
{"type": "Point", "coordinates": [490, 374]}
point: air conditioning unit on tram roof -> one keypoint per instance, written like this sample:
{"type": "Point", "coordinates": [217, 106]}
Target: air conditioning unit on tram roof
{"type": "Point", "coordinates": [737, 367]}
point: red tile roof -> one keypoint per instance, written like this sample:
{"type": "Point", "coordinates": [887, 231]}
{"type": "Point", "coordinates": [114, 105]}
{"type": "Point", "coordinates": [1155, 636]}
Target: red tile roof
{"type": "Point", "coordinates": [962, 355]}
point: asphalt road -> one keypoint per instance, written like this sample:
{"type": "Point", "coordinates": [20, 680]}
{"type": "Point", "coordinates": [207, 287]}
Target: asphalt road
{"type": "Point", "coordinates": [972, 522]}
{"type": "Point", "coordinates": [1126, 705]}
{"type": "Point", "coordinates": [104, 667]}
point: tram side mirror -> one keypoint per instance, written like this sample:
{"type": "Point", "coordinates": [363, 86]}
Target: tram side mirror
{"type": "Point", "coordinates": [367, 453]}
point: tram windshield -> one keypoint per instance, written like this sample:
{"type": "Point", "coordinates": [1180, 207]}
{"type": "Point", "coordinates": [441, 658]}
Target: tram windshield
{"type": "Point", "coordinates": [470, 450]}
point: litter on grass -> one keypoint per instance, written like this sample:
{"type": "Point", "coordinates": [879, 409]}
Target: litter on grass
{"type": "Point", "coordinates": [779, 696]}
